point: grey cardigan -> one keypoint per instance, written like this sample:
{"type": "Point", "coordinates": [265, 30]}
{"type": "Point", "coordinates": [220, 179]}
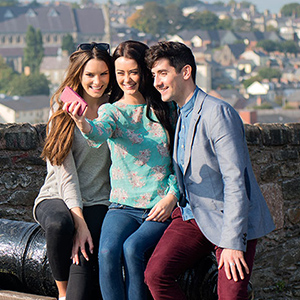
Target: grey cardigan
{"type": "Point", "coordinates": [82, 179]}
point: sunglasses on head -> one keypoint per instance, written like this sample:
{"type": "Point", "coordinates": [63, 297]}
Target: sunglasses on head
{"type": "Point", "coordinates": [91, 46]}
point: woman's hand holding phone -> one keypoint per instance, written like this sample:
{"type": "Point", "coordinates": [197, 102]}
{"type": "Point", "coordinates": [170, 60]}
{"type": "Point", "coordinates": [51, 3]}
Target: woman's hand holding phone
{"type": "Point", "coordinates": [73, 106]}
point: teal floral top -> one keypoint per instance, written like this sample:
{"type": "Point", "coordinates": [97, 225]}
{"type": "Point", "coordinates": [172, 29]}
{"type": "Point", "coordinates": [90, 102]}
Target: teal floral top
{"type": "Point", "coordinates": [141, 172]}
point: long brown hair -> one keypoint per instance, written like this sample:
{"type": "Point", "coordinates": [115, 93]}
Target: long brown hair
{"type": "Point", "coordinates": [137, 50]}
{"type": "Point", "coordinates": [60, 127]}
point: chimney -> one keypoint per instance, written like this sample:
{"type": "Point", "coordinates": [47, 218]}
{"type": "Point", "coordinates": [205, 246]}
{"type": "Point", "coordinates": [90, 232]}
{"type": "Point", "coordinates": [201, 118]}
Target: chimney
{"type": "Point", "coordinates": [258, 101]}
{"type": "Point", "coordinates": [248, 117]}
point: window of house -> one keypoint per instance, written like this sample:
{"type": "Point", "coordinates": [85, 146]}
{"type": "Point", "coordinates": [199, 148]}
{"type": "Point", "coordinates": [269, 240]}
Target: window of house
{"type": "Point", "coordinates": [31, 13]}
{"type": "Point", "coordinates": [52, 13]}
{"type": "Point", "coordinates": [8, 14]}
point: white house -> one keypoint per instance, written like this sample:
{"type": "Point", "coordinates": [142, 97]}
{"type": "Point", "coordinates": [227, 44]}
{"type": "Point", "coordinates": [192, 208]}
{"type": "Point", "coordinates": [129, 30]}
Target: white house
{"type": "Point", "coordinates": [262, 89]}
{"type": "Point", "coordinates": [258, 57]}
{"type": "Point", "coordinates": [30, 109]}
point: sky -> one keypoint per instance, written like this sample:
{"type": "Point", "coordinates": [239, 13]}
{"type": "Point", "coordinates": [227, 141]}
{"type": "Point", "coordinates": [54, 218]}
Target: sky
{"type": "Point", "coordinates": [273, 6]}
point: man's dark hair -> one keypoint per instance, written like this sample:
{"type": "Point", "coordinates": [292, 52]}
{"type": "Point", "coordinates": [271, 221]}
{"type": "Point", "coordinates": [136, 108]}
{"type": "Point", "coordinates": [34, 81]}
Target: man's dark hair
{"type": "Point", "coordinates": [178, 54]}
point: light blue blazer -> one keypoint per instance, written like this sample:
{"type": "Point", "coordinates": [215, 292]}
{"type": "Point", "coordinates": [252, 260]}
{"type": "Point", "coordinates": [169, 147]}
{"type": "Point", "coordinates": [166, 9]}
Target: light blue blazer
{"type": "Point", "coordinates": [218, 179]}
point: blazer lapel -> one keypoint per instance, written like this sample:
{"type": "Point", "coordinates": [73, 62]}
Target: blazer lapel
{"type": "Point", "coordinates": [196, 113]}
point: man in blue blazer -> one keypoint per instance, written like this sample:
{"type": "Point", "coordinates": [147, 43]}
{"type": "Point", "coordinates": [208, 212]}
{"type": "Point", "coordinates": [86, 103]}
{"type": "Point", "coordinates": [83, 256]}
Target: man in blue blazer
{"type": "Point", "coordinates": [222, 208]}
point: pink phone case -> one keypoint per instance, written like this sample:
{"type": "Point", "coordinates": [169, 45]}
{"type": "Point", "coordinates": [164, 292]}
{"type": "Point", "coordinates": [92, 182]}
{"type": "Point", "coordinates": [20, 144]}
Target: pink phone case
{"type": "Point", "coordinates": [69, 95]}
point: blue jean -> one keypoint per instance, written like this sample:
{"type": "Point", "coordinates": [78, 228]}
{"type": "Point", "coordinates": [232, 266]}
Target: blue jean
{"type": "Point", "coordinates": [126, 243]}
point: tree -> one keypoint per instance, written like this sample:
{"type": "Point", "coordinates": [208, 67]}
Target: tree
{"type": "Point", "coordinates": [268, 45]}
{"type": "Point", "coordinates": [205, 20]}
{"type": "Point", "coordinates": [290, 9]}
{"type": "Point", "coordinates": [289, 46]}
{"type": "Point", "coordinates": [34, 51]}
{"type": "Point", "coordinates": [6, 76]}
{"type": "Point", "coordinates": [249, 81]}
{"type": "Point", "coordinates": [34, 84]}
{"type": "Point", "coordinates": [179, 3]}
{"type": "Point", "coordinates": [225, 24]}
{"type": "Point", "coordinates": [9, 2]}
{"type": "Point", "coordinates": [175, 18]}
{"type": "Point", "coordinates": [68, 44]}
{"type": "Point", "coordinates": [241, 25]}
{"type": "Point", "coordinates": [269, 73]}
{"type": "Point", "coordinates": [151, 19]}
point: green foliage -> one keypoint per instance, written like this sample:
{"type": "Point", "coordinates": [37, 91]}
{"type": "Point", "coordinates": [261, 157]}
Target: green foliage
{"type": "Point", "coordinates": [264, 105]}
{"type": "Point", "coordinates": [219, 3]}
{"type": "Point", "coordinates": [68, 43]}
{"type": "Point", "coordinates": [179, 3]}
{"type": "Point", "coordinates": [289, 47]}
{"type": "Point", "coordinates": [12, 83]}
{"type": "Point", "coordinates": [269, 73]}
{"type": "Point", "coordinates": [6, 76]}
{"type": "Point", "coordinates": [241, 25]}
{"type": "Point", "coordinates": [87, 2]}
{"type": "Point", "coordinates": [34, 84]}
{"type": "Point", "coordinates": [9, 2]}
{"type": "Point", "coordinates": [205, 20]}
{"type": "Point", "coordinates": [249, 81]}
{"type": "Point", "coordinates": [289, 9]}
{"type": "Point", "coordinates": [225, 24]}
{"type": "Point", "coordinates": [268, 45]}
{"type": "Point", "coordinates": [151, 19]}
{"type": "Point", "coordinates": [34, 51]}
{"type": "Point", "coordinates": [270, 28]}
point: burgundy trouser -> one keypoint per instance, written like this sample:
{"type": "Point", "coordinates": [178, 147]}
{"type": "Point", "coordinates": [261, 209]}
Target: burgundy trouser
{"type": "Point", "coordinates": [180, 247]}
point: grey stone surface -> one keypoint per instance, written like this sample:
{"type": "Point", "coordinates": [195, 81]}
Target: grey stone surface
{"type": "Point", "coordinates": [274, 150]}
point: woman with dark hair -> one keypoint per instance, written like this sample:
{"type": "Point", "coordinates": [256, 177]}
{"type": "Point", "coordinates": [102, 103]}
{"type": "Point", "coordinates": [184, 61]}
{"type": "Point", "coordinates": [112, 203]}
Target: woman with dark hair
{"type": "Point", "coordinates": [73, 201]}
{"type": "Point", "coordinates": [139, 129]}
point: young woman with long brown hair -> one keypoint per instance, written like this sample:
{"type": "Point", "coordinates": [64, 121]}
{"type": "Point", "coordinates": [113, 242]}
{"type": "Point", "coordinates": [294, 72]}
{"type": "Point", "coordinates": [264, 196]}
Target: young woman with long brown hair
{"type": "Point", "coordinates": [73, 201]}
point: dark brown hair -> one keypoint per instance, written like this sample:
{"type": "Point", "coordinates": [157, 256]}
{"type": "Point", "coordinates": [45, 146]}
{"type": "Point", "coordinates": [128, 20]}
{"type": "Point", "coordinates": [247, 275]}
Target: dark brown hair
{"type": "Point", "coordinates": [137, 50]}
{"type": "Point", "coordinates": [178, 54]}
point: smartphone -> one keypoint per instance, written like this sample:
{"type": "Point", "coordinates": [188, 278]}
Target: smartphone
{"type": "Point", "coordinates": [69, 95]}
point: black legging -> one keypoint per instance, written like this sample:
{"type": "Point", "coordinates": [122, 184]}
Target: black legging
{"type": "Point", "coordinates": [56, 219]}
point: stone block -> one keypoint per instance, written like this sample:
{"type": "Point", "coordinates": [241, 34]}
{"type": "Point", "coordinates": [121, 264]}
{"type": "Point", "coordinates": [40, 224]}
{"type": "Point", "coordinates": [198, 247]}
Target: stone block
{"type": "Point", "coordinates": [270, 173]}
{"type": "Point", "coordinates": [291, 188]}
{"type": "Point", "coordinates": [274, 134]}
{"type": "Point", "coordinates": [273, 196]}
{"type": "Point", "coordinates": [21, 137]}
{"type": "Point", "coordinates": [294, 215]}
{"type": "Point", "coordinates": [287, 154]}
{"type": "Point", "coordinates": [253, 135]}
{"type": "Point", "coordinates": [294, 130]}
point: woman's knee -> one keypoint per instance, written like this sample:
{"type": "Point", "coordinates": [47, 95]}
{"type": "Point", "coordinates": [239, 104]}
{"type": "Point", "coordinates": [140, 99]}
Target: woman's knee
{"type": "Point", "coordinates": [59, 225]}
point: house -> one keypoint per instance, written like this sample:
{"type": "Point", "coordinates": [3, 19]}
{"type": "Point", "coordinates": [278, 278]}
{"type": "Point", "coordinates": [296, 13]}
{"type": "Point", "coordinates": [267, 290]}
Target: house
{"type": "Point", "coordinates": [232, 96]}
{"type": "Point", "coordinates": [29, 109]}
{"type": "Point", "coordinates": [197, 38]}
{"type": "Point", "coordinates": [54, 68]}
{"type": "Point", "coordinates": [54, 22]}
{"type": "Point", "coordinates": [258, 57]}
{"type": "Point", "coordinates": [265, 89]}
{"type": "Point", "coordinates": [293, 100]}
{"type": "Point", "coordinates": [229, 54]}
{"type": "Point", "coordinates": [204, 75]}
{"type": "Point", "coordinates": [245, 65]}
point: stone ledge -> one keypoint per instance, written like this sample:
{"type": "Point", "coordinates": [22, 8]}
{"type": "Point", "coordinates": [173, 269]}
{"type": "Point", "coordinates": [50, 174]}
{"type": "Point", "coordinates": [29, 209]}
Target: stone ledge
{"type": "Point", "coordinates": [11, 295]}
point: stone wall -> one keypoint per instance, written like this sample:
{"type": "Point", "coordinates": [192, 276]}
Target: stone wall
{"type": "Point", "coordinates": [275, 154]}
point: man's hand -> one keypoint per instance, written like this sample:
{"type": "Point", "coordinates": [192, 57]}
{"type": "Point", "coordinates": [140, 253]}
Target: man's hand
{"type": "Point", "coordinates": [234, 263]}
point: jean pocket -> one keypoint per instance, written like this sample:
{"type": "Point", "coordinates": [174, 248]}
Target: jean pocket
{"type": "Point", "coordinates": [116, 206]}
